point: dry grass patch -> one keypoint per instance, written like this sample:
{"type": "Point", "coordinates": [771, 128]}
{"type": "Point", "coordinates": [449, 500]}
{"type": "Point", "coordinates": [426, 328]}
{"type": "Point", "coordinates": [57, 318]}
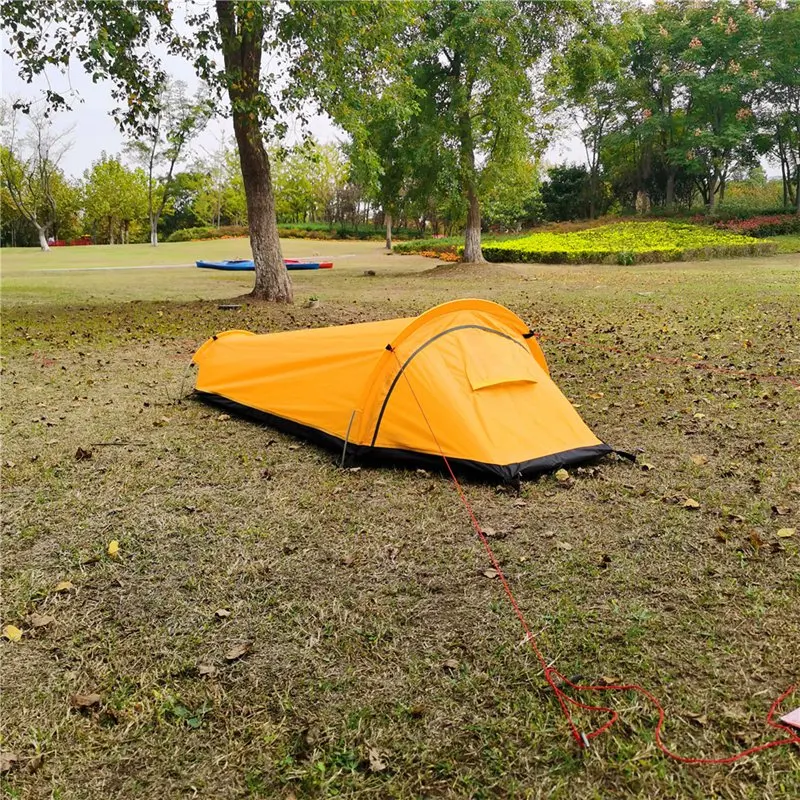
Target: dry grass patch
{"type": "Point", "coordinates": [375, 658]}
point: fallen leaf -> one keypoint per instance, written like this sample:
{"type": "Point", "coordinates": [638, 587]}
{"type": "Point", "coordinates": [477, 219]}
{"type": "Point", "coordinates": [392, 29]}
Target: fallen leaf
{"type": "Point", "coordinates": [699, 415]}
{"type": "Point", "coordinates": [36, 762]}
{"type": "Point", "coordinates": [85, 700]}
{"type": "Point", "coordinates": [349, 469]}
{"type": "Point", "coordinates": [40, 620]}
{"type": "Point", "coordinates": [609, 680]}
{"type": "Point", "coordinates": [647, 467]}
{"type": "Point", "coordinates": [519, 503]}
{"type": "Point", "coordinates": [297, 447]}
{"type": "Point", "coordinates": [223, 417]}
{"type": "Point", "coordinates": [348, 561]}
{"type": "Point", "coordinates": [7, 760]}
{"type": "Point", "coordinates": [64, 586]}
{"type": "Point", "coordinates": [690, 503]}
{"type": "Point", "coordinates": [563, 545]}
{"type": "Point", "coordinates": [12, 633]}
{"type": "Point", "coordinates": [376, 762]}
{"type": "Point", "coordinates": [780, 511]}
{"type": "Point", "coordinates": [698, 719]}
{"type": "Point", "coordinates": [450, 665]}
{"type": "Point", "coordinates": [756, 540]}
{"type": "Point", "coordinates": [562, 475]}
{"type": "Point", "coordinates": [83, 455]}
{"type": "Point", "coordinates": [221, 613]}
{"type": "Point", "coordinates": [113, 549]}
{"type": "Point", "coordinates": [490, 573]}
{"type": "Point", "coordinates": [785, 533]}
{"type": "Point", "coordinates": [699, 459]}
{"type": "Point", "coordinates": [206, 669]}
{"type": "Point", "coordinates": [239, 651]}
{"type": "Point", "coordinates": [596, 395]}
{"type": "Point", "coordinates": [423, 473]}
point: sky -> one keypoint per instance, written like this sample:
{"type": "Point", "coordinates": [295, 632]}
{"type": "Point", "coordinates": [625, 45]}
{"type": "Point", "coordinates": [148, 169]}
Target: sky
{"type": "Point", "coordinates": [92, 130]}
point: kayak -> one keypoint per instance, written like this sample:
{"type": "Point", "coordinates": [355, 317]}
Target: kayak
{"type": "Point", "coordinates": [243, 264]}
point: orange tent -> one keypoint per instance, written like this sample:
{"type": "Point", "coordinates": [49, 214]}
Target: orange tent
{"type": "Point", "coordinates": [466, 380]}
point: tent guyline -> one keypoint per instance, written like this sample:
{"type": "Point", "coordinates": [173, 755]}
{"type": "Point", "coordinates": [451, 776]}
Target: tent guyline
{"type": "Point", "coordinates": [556, 679]}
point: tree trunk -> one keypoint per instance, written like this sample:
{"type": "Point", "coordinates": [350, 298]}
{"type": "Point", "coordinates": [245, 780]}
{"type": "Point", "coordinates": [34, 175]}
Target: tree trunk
{"type": "Point", "coordinates": [154, 232]}
{"type": "Point", "coordinates": [797, 192]}
{"type": "Point", "coordinates": [387, 218]}
{"type": "Point", "coordinates": [272, 279]}
{"type": "Point", "coordinates": [42, 239]}
{"type": "Point", "coordinates": [670, 197]}
{"type": "Point", "coordinates": [473, 254]}
{"type": "Point", "coordinates": [241, 28]}
{"type": "Point", "coordinates": [472, 236]}
{"type": "Point", "coordinates": [712, 192]}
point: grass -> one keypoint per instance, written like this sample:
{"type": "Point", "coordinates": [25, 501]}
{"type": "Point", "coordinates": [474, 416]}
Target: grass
{"type": "Point", "coordinates": [355, 588]}
{"type": "Point", "coordinates": [789, 243]}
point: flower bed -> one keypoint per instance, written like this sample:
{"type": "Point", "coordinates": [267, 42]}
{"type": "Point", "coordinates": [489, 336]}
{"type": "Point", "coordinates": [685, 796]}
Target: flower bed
{"type": "Point", "coordinates": [628, 243]}
{"type": "Point", "coordinates": [765, 225]}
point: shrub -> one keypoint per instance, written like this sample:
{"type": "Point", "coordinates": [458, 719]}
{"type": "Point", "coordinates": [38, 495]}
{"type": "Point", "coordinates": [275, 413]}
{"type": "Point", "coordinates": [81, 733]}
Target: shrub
{"type": "Point", "coordinates": [627, 243]}
{"type": "Point", "coordinates": [764, 225]}
{"type": "Point", "coordinates": [299, 230]}
{"type": "Point", "coordinates": [191, 234]}
{"type": "Point", "coordinates": [432, 247]}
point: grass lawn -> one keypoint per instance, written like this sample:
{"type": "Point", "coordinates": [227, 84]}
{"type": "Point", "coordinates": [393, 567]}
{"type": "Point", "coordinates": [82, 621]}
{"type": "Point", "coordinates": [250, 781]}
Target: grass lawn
{"type": "Point", "coordinates": [790, 243]}
{"type": "Point", "coordinates": [382, 662]}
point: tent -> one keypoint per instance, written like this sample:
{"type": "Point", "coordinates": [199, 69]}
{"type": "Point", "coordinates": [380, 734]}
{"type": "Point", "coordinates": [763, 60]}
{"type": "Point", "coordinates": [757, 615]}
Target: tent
{"type": "Point", "coordinates": [466, 379]}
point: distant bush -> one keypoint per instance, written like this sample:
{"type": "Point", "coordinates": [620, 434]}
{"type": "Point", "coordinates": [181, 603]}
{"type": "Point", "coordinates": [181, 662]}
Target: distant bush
{"type": "Point", "coordinates": [192, 234]}
{"type": "Point", "coordinates": [434, 247]}
{"type": "Point", "coordinates": [627, 243]}
{"type": "Point", "coordinates": [299, 230]}
{"type": "Point", "coordinates": [766, 225]}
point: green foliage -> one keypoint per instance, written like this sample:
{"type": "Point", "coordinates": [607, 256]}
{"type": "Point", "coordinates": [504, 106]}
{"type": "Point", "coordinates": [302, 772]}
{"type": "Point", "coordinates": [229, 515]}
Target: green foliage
{"type": "Point", "coordinates": [627, 243]}
{"type": "Point", "coordinates": [565, 193]}
{"type": "Point", "coordinates": [306, 180]}
{"type": "Point", "coordinates": [116, 201]}
{"type": "Point", "coordinates": [192, 234]}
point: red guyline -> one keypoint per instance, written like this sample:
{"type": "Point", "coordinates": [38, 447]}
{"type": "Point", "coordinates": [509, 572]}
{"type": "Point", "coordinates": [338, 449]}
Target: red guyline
{"type": "Point", "coordinates": [564, 699]}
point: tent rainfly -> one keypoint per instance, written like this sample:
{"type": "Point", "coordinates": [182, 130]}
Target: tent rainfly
{"type": "Point", "coordinates": [466, 379]}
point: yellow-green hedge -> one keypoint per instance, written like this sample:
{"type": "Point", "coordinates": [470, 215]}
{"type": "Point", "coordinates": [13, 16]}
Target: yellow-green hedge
{"type": "Point", "coordinates": [628, 243]}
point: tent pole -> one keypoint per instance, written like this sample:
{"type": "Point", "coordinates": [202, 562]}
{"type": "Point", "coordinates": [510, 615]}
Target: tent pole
{"type": "Point", "coordinates": [346, 437]}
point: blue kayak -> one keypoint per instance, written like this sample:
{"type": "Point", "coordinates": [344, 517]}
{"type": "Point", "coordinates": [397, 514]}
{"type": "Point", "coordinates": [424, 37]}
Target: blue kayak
{"type": "Point", "coordinates": [242, 264]}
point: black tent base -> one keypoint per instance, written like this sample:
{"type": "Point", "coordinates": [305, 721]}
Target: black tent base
{"type": "Point", "coordinates": [358, 455]}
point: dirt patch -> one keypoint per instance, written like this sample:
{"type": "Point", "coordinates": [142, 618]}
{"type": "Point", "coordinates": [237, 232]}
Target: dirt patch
{"type": "Point", "coordinates": [476, 272]}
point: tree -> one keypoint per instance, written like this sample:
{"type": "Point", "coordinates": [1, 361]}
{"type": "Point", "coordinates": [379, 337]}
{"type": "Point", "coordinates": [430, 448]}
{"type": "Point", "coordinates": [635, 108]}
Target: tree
{"type": "Point", "coordinates": [780, 95]}
{"type": "Point", "coordinates": [565, 193]}
{"type": "Point", "coordinates": [720, 80]}
{"type": "Point", "coordinates": [474, 61]}
{"type": "Point", "coordinates": [115, 41]}
{"type": "Point", "coordinates": [114, 197]}
{"type": "Point", "coordinates": [586, 78]}
{"type": "Point", "coordinates": [173, 123]}
{"type": "Point", "coordinates": [30, 171]}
